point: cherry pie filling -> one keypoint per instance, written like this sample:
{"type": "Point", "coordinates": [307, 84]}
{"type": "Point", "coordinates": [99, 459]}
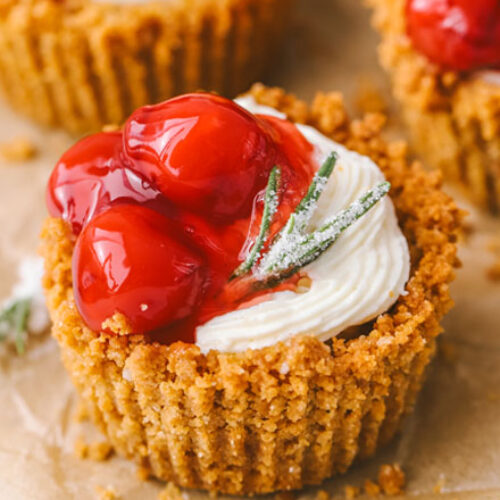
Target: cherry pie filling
{"type": "Point", "coordinates": [165, 210]}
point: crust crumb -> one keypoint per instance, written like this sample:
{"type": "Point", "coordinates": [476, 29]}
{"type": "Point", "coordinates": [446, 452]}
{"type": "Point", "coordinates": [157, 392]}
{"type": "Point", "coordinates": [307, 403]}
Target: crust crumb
{"type": "Point", "coordinates": [18, 150]}
{"type": "Point", "coordinates": [493, 272]}
{"type": "Point", "coordinates": [439, 486]}
{"type": "Point", "coordinates": [171, 492]}
{"type": "Point", "coordinates": [118, 323]}
{"type": "Point", "coordinates": [391, 479]}
{"type": "Point", "coordinates": [142, 473]}
{"type": "Point", "coordinates": [323, 495]}
{"type": "Point", "coordinates": [98, 451]}
{"type": "Point", "coordinates": [493, 396]}
{"type": "Point", "coordinates": [81, 448]}
{"type": "Point", "coordinates": [351, 492]}
{"type": "Point", "coordinates": [448, 351]}
{"type": "Point", "coordinates": [371, 489]}
{"type": "Point", "coordinates": [106, 493]}
{"type": "Point", "coordinates": [81, 413]}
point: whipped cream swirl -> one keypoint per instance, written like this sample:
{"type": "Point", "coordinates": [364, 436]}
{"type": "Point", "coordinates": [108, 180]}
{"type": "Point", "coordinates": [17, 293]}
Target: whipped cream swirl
{"type": "Point", "coordinates": [359, 277]}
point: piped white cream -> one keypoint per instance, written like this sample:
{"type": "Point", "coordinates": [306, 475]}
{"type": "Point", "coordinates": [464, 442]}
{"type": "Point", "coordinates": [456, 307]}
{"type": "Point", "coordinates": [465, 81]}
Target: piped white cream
{"type": "Point", "coordinates": [359, 277]}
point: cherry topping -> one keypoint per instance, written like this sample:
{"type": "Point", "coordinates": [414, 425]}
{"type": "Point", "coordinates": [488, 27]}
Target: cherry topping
{"type": "Point", "coordinates": [166, 209]}
{"type": "Point", "coordinates": [134, 261]}
{"type": "Point", "coordinates": [205, 153]}
{"type": "Point", "coordinates": [90, 177]}
{"type": "Point", "coordinates": [461, 35]}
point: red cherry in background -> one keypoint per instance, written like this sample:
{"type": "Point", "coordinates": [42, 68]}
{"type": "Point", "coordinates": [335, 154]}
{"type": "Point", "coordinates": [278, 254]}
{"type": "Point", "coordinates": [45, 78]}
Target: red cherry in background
{"type": "Point", "coordinates": [134, 261]}
{"type": "Point", "coordinates": [90, 177]}
{"type": "Point", "coordinates": [205, 153]}
{"type": "Point", "coordinates": [460, 35]}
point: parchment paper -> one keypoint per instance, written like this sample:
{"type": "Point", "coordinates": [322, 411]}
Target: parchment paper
{"type": "Point", "coordinates": [453, 439]}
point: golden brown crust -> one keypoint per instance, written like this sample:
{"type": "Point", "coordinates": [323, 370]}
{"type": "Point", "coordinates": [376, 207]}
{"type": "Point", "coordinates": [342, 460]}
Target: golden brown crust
{"type": "Point", "coordinates": [82, 64]}
{"type": "Point", "coordinates": [454, 119]}
{"type": "Point", "coordinates": [240, 423]}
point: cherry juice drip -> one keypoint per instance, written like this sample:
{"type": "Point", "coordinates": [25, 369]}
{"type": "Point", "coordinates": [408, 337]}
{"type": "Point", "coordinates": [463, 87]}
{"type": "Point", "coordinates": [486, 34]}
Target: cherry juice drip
{"type": "Point", "coordinates": [164, 211]}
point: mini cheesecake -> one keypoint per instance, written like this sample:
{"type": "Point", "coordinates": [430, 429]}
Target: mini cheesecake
{"type": "Point", "coordinates": [444, 61]}
{"type": "Point", "coordinates": [246, 293]}
{"type": "Point", "coordinates": [83, 64]}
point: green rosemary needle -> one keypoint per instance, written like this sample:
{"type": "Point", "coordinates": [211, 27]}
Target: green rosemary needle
{"type": "Point", "coordinates": [270, 207]}
{"type": "Point", "coordinates": [13, 320]}
{"type": "Point", "coordinates": [303, 213]}
{"type": "Point", "coordinates": [297, 252]}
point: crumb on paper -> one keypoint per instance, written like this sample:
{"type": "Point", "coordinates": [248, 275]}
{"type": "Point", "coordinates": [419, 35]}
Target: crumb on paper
{"type": "Point", "coordinates": [170, 492]}
{"type": "Point", "coordinates": [391, 479]}
{"type": "Point", "coordinates": [468, 228]}
{"type": "Point", "coordinates": [106, 493]}
{"type": "Point", "coordinates": [493, 272]}
{"type": "Point", "coordinates": [118, 323]}
{"type": "Point", "coordinates": [447, 350]}
{"type": "Point", "coordinates": [142, 473]}
{"type": "Point", "coordinates": [369, 99]}
{"type": "Point", "coordinates": [439, 486]}
{"type": "Point", "coordinates": [371, 488]}
{"type": "Point", "coordinates": [351, 492]}
{"type": "Point", "coordinates": [81, 447]}
{"type": "Point", "coordinates": [18, 149]}
{"type": "Point", "coordinates": [98, 451]}
{"type": "Point", "coordinates": [81, 413]}
{"type": "Point", "coordinates": [494, 245]}
{"type": "Point", "coordinates": [323, 495]}
{"type": "Point", "coordinates": [493, 396]}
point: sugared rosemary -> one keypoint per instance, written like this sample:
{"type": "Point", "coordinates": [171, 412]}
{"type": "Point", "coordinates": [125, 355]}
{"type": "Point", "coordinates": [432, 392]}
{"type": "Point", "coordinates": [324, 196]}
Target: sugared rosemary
{"type": "Point", "coordinates": [294, 248]}
{"type": "Point", "coordinates": [270, 207]}
{"type": "Point", "coordinates": [13, 322]}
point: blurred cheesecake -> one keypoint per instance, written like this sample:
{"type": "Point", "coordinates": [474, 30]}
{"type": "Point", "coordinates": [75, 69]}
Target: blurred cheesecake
{"type": "Point", "coordinates": [82, 64]}
{"type": "Point", "coordinates": [444, 60]}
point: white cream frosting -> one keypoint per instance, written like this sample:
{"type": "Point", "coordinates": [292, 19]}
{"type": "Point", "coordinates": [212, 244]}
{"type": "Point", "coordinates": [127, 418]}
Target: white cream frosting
{"type": "Point", "coordinates": [357, 279]}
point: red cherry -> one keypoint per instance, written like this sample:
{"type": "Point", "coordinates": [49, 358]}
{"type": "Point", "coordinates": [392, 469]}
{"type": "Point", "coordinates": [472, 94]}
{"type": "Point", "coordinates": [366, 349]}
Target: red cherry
{"type": "Point", "coordinates": [461, 35]}
{"type": "Point", "coordinates": [205, 153]}
{"type": "Point", "coordinates": [90, 177]}
{"type": "Point", "coordinates": [134, 261]}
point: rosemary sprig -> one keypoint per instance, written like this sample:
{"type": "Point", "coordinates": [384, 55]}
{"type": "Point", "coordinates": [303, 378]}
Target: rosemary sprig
{"type": "Point", "coordinates": [270, 207]}
{"type": "Point", "coordinates": [13, 321]}
{"type": "Point", "coordinates": [298, 252]}
{"type": "Point", "coordinates": [305, 209]}
{"type": "Point", "coordinates": [293, 249]}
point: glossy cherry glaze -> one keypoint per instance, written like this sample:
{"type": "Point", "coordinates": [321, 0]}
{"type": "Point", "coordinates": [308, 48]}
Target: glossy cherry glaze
{"type": "Point", "coordinates": [204, 153]}
{"type": "Point", "coordinates": [462, 35]}
{"type": "Point", "coordinates": [134, 261]}
{"type": "Point", "coordinates": [199, 166]}
{"type": "Point", "coordinates": [91, 176]}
